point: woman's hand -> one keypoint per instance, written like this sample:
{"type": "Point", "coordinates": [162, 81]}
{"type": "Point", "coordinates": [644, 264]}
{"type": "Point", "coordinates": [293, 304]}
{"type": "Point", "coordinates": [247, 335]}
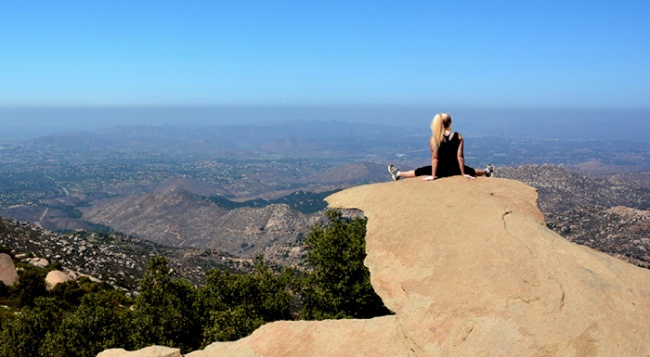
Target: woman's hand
{"type": "Point", "coordinates": [428, 178]}
{"type": "Point", "coordinates": [469, 177]}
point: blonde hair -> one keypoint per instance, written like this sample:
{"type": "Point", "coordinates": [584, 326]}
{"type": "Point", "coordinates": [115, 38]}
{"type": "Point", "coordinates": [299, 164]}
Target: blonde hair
{"type": "Point", "coordinates": [439, 123]}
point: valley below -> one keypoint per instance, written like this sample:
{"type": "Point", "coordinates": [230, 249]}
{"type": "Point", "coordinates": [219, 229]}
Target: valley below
{"type": "Point", "coordinates": [223, 196]}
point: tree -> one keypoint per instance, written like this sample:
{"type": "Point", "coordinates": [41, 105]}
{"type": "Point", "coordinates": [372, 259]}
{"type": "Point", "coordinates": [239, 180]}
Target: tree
{"type": "Point", "coordinates": [237, 304]}
{"type": "Point", "coordinates": [73, 291]}
{"type": "Point", "coordinates": [96, 325]}
{"type": "Point", "coordinates": [23, 334]}
{"type": "Point", "coordinates": [6, 250]}
{"type": "Point", "coordinates": [166, 311]}
{"type": "Point", "coordinates": [30, 285]}
{"type": "Point", "coordinates": [339, 284]}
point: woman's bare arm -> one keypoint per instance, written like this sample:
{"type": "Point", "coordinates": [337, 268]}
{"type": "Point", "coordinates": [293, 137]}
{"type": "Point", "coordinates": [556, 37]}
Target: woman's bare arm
{"type": "Point", "coordinates": [461, 156]}
{"type": "Point", "coordinates": [434, 156]}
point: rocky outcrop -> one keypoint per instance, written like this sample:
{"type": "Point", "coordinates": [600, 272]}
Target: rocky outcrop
{"type": "Point", "coordinates": [8, 274]}
{"type": "Point", "coordinates": [469, 269]}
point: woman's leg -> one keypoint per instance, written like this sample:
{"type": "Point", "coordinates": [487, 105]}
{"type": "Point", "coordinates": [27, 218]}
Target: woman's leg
{"type": "Point", "coordinates": [407, 174]}
{"type": "Point", "coordinates": [470, 171]}
{"type": "Point", "coordinates": [421, 171]}
{"type": "Point", "coordinates": [480, 172]}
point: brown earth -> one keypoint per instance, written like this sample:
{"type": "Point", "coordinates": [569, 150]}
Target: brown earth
{"type": "Point", "coordinates": [175, 217]}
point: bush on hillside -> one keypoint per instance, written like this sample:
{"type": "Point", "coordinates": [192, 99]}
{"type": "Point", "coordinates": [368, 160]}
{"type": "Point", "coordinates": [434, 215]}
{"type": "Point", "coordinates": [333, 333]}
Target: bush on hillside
{"type": "Point", "coordinates": [167, 310]}
{"type": "Point", "coordinates": [339, 285]}
{"type": "Point", "coordinates": [97, 324]}
{"type": "Point", "coordinates": [237, 304]}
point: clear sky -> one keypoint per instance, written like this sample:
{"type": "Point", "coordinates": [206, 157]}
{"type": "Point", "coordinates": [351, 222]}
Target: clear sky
{"type": "Point", "coordinates": [436, 54]}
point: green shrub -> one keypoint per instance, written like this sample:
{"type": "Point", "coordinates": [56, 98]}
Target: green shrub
{"type": "Point", "coordinates": [96, 325]}
{"type": "Point", "coordinates": [23, 333]}
{"type": "Point", "coordinates": [339, 285]}
{"type": "Point", "coordinates": [166, 312]}
{"type": "Point", "coordinates": [237, 304]}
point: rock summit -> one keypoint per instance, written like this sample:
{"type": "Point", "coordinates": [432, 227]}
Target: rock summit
{"type": "Point", "coordinates": [469, 269]}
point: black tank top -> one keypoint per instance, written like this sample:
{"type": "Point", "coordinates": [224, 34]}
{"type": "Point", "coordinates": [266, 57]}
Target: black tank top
{"type": "Point", "coordinates": [448, 156]}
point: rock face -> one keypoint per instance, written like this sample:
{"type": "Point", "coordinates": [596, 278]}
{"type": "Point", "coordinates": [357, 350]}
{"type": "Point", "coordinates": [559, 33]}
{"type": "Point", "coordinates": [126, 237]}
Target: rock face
{"type": "Point", "coordinates": [8, 274]}
{"type": "Point", "coordinates": [469, 269]}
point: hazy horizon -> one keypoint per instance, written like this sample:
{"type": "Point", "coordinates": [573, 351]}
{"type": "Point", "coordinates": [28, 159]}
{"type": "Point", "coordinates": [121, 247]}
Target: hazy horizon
{"type": "Point", "coordinates": [88, 65]}
{"type": "Point", "coordinates": [499, 54]}
{"type": "Point", "coordinates": [21, 123]}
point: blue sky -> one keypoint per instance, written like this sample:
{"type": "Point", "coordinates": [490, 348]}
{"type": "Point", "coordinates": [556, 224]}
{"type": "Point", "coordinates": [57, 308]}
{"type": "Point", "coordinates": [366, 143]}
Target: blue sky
{"type": "Point", "coordinates": [409, 54]}
{"type": "Point", "coordinates": [482, 53]}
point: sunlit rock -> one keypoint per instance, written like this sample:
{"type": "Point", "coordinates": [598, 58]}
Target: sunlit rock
{"type": "Point", "coordinates": [8, 274]}
{"type": "Point", "coordinates": [470, 269]}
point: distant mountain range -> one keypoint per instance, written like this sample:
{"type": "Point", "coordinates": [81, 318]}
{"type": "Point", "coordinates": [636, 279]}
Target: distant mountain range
{"type": "Point", "coordinates": [301, 138]}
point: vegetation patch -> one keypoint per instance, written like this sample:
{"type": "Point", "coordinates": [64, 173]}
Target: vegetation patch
{"type": "Point", "coordinates": [302, 201]}
{"type": "Point", "coordinates": [82, 318]}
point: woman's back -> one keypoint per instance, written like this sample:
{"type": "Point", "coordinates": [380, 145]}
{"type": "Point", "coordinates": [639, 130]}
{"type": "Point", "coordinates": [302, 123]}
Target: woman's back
{"type": "Point", "coordinates": [448, 156]}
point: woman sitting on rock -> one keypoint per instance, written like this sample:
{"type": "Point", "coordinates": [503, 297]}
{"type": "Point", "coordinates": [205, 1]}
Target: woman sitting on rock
{"type": "Point", "coordinates": [447, 157]}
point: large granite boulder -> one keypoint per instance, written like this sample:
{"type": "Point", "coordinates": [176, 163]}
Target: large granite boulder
{"type": "Point", "coordinates": [8, 274]}
{"type": "Point", "coordinates": [469, 269]}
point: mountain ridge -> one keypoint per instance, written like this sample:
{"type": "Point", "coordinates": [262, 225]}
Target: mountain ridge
{"type": "Point", "coordinates": [173, 216]}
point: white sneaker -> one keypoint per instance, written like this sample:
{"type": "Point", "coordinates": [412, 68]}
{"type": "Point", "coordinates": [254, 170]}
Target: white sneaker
{"type": "Point", "coordinates": [394, 172]}
{"type": "Point", "coordinates": [489, 170]}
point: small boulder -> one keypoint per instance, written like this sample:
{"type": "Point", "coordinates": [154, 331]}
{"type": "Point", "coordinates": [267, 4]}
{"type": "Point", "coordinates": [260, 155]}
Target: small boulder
{"type": "Point", "coordinates": [56, 277]}
{"type": "Point", "coordinates": [39, 262]}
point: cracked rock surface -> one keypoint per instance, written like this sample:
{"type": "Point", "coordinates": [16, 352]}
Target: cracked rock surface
{"type": "Point", "coordinates": [470, 269]}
